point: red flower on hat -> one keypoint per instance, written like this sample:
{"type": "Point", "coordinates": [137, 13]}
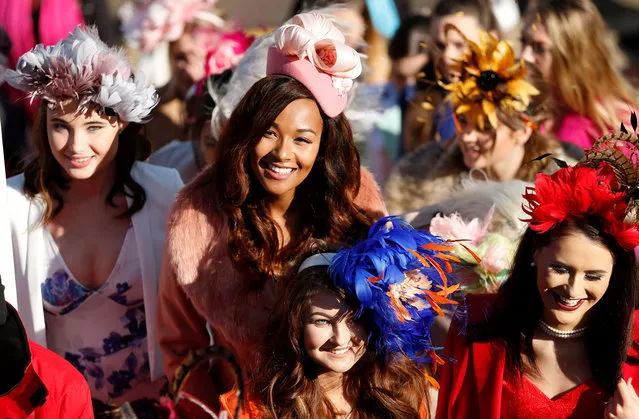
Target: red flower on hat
{"type": "Point", "coordinates": [575, 192]}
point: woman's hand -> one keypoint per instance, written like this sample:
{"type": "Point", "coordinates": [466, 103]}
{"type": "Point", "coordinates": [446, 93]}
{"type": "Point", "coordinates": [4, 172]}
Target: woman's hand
{"type": "Point", "coordinates": [625, 403]}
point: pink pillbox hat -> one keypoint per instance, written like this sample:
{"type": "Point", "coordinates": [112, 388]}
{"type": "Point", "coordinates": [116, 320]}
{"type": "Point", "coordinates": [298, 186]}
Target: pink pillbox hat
{"type": "Point", "coordinates": [312, 51]}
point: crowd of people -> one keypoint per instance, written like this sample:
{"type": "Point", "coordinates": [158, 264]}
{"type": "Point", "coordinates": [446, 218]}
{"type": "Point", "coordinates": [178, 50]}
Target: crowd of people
{"type": "Point", "coordinates": [361, 213]}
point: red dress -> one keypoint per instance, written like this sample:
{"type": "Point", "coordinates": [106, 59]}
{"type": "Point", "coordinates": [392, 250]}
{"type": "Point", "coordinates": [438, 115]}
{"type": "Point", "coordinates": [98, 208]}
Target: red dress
{"type": "Point", "coordinates": [521, 399]}
{"type": "Point", "coordinates": [476, 385]}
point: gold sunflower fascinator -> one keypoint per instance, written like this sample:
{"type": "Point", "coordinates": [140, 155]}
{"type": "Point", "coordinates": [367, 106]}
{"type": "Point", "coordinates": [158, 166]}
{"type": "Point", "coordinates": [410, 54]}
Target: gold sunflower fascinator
{"type": "Point", "coordinates": [490, 78]}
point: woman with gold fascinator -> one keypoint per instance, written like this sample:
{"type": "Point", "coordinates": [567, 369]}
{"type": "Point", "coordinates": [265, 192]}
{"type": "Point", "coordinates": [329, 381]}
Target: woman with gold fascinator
{"type": "Point", "coordinates": [498, 102]}
{"type": "Point", "coordinates": [560, 338]}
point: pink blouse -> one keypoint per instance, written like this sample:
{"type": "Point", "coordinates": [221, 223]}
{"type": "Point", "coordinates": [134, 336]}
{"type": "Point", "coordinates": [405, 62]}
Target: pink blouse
{"type": "Point", "coordinates": [577, 129]}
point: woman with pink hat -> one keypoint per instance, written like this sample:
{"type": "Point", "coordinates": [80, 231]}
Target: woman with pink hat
{"type": "Point", "coordinates": [288, 177]}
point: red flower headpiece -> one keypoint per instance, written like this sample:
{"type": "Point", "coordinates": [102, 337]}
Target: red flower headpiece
{"type": "Point", "coordinates": [575, 192]}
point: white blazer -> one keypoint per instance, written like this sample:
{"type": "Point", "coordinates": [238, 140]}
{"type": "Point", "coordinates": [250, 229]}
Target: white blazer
{"type": "Point", "coordinates": [161, 186]}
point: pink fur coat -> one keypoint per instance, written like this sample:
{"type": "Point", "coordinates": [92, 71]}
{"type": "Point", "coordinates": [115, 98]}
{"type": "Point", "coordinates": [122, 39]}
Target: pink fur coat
{"type": "Point", "coordinates": [199, 286]}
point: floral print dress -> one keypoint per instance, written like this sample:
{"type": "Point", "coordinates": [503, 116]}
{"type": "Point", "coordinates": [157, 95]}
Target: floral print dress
{"type": "Point", "coordinates": [101, 332]}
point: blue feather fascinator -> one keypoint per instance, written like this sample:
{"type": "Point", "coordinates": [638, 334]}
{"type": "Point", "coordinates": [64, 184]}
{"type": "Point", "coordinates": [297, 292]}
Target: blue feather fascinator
{"type": "Point", "coordinates": [400, 277]}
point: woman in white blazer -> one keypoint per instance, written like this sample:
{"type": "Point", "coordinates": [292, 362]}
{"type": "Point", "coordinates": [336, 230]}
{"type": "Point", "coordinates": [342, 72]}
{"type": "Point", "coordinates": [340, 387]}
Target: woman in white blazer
{"type": "Point", "coordinates": [88, 220]}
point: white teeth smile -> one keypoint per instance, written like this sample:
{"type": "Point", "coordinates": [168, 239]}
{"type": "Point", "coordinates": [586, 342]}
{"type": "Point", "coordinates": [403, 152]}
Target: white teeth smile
{"type": "Point", "coordinates": [570, 302]}
{"type": "Point", "coordinates": [337, 351]}
{"type": "Point", "coordinates": [280, 170]}
{"type": "Point", "coordinates": [82, 160]}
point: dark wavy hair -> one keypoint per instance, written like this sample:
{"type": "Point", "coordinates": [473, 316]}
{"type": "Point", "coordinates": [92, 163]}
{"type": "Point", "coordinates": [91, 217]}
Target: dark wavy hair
{"type": "Point", "coordinates": [519, 306]}
{"type": "Point", "coordinates": [287, 384]}
{"type": "Point", "coordinates": [324, 200]}
{"type": "Point", "coordinates": [44, 177]}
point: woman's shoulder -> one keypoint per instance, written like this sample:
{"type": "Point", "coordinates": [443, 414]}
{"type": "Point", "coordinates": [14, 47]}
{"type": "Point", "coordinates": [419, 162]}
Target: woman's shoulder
{"type": "Point", "coordinates": [195, 225]}
{"type": "Point", "coordinates": [369, 197]}
{"type": "Point", "coordinates": [17, 199]}
{"type": "Point", "coordinates": [149, 173]}
{"type": "Point", "coordinates": [196, 200]}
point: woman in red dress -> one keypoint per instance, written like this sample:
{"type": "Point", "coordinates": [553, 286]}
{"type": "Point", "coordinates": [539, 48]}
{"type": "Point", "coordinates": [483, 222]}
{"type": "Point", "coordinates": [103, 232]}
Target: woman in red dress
{"type": "Point", "coordinates": [558, 341]}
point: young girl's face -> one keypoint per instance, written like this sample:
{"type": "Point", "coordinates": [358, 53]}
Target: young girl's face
{"type": "Point", "coordinates": [332, 339]}
{"type": "Point", "coordinates": [492, 148]}
{"type": "Point", "coordinates": [82, 143]}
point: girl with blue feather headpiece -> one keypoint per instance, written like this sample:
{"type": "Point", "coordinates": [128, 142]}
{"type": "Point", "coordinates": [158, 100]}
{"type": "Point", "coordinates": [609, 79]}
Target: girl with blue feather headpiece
{"type": "Point", "coordinates": [352, 334]}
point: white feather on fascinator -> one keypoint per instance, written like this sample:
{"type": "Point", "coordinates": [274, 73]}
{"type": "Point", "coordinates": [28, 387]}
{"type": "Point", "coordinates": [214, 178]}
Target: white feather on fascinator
{"type": "Point", "coordinates": [83, 68]}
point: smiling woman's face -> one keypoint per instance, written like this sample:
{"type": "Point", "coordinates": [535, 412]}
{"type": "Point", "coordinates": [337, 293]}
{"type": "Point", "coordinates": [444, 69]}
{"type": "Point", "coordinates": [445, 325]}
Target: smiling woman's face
{"type": "Point", "coordinates": [332, 339]}
{"type": "Point", "coordinates": [83, 143]}
{"type": "Point", "coordinates": [573, 274]}
{"type": "Point", "coordinates": [286, 153]}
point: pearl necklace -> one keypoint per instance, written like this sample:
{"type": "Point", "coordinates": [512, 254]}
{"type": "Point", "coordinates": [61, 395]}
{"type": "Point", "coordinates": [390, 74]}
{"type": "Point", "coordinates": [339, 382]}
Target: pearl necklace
{"type": "Point", "coordinates": [562, 334]}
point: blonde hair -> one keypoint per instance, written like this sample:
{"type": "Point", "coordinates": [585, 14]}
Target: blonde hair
{"type": "Point", "coordinates": [586, 61]}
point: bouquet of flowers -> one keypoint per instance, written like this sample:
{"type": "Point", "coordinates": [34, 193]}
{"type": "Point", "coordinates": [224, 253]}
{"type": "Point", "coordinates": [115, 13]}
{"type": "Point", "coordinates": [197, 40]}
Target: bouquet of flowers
{"type": "Point", "coordinates": [486, 255]}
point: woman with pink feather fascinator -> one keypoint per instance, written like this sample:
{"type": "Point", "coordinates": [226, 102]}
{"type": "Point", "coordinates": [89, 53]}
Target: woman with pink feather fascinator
{"type": "Point", "coordinates": [287, 176]}
{"type": "Point", "coordinates": [88, 220]}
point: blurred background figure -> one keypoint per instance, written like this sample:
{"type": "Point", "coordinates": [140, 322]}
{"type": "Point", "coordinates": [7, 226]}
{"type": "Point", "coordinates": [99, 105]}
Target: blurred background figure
{"type": "Point", "coordinates": [428, 118]}
{"type": "Point", "coordinates": [409, 57]}
{"type": "Point", "coordinates": [30, 22]}
{"type": "Point", "coordinates": [580, 57]}
{"type": "Point", "coordinates": [499, 145]}
{"type": "Point", "coordinates": [12, 117]}
{"type": "Point", "coordinates": [189, 157]}
{"type": "Point", "coordinates": [184, 31]}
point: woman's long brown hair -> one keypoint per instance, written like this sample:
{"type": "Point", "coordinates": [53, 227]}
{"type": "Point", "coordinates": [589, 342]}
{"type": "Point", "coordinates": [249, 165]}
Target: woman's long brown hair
{"type": "Point", "coordinates": [287, 383]}
{"type": "Point", "coordinates": [43, 175]}
{"type": "Point", "coordinates": [324, 200]}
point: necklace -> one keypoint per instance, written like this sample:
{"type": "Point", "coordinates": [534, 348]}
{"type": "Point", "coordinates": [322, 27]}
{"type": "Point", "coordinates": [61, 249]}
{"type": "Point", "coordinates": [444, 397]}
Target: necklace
{"type": "Point", "coordinates": [561, 334]}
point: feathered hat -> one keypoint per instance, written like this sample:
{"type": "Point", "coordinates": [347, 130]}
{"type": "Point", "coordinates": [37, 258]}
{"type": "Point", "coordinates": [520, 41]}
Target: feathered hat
{"type": "Point", "coordinates": [400, 278]}
{"type": "Point", "coordinates": [605, 183]}
{"type": "Point", "coordinates": [490, 79]}
{"type": "Point", "coordinates": [313, 51]}
{"type": "Point", "coordinates": [81, 67]}
{"type": "Point", "coordinates": [486, 255]}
